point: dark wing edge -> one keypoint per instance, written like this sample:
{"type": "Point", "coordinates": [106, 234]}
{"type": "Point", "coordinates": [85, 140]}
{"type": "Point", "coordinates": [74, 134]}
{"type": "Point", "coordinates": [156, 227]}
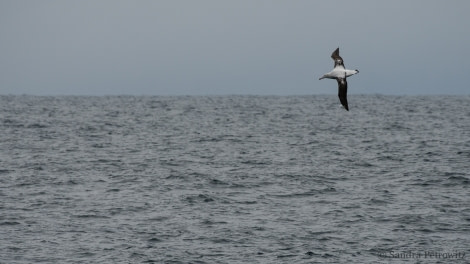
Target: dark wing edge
{"type": "Point", "coordinates": [335, 54]}
{"type": "Point", "coordinates": [338, 60]}
{"type": "Point", "coordinates": [342, 92]}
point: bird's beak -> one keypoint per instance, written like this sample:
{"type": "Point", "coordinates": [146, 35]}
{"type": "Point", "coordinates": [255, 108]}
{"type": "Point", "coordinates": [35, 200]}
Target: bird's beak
{"type": "Point", "coordinates": [321, 78]}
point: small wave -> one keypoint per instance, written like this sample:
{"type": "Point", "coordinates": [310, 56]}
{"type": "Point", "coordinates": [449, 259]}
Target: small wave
{"type": "Point", "coordinates": [9, 223]}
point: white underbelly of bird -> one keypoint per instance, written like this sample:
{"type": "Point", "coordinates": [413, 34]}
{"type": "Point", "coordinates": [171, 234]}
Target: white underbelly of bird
{"type": "Point", "coordinates": [339, 73]}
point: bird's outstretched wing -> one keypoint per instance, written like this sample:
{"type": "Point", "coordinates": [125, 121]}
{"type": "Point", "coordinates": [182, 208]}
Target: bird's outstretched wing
{"type": "Point", "coordinates": [338, 60]}
{"type": "Point", "coordinates": [342, 92]}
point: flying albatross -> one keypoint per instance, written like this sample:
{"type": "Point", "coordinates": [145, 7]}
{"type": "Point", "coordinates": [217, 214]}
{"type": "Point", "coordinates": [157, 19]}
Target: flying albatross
{"type": "Point", "coordinates": [340, 74]}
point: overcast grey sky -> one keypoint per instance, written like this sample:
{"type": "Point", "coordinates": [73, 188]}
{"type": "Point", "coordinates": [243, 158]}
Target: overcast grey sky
{"type": "Point", "coordinates": [212, 47]}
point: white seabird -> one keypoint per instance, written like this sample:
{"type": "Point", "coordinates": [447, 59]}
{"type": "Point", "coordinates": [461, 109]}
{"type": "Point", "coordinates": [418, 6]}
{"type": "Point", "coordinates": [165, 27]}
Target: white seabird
{"type": "Point", "coordinates": [340, 74]}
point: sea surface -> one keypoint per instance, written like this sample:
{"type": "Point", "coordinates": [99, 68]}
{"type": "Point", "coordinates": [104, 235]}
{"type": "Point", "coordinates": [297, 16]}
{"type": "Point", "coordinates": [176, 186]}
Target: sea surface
{"type": "Point", "coordinates": [234, 179]}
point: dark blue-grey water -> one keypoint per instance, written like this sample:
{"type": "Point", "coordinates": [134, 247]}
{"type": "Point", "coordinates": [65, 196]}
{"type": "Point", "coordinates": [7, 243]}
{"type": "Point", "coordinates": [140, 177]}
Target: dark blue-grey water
{"type": "Point", "coordinates": [234, 179]}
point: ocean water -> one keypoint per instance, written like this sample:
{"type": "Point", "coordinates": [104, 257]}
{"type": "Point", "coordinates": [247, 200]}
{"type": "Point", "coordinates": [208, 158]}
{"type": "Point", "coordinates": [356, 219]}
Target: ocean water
{"type": "Point", "coordinates": [235, 179]}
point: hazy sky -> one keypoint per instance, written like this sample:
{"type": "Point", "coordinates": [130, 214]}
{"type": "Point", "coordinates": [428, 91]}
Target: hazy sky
{"type": "Point", "coordinates": [212, 47]}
